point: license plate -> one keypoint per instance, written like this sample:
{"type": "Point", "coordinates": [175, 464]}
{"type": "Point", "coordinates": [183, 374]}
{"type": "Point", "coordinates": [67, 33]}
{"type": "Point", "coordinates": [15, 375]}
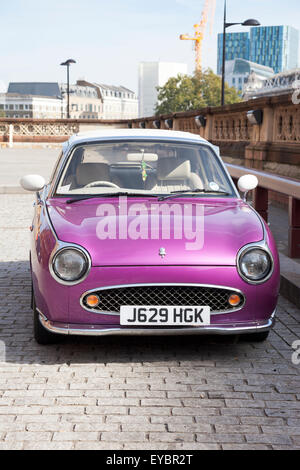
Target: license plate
{"type": "Point", "coordinates": [165, 315]}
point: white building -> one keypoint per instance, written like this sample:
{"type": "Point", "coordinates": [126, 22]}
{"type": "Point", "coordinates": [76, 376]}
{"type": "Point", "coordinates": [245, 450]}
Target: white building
{"type": "Point", "coordinates": [37, 100]}
{"type": "Point", "coordinates": [152, 75]}
{"type": "Point", "coordinates": [43, 100]}
{"type": "Point", "coordinates": [85, 100]}
{"type": "Point", "coordinates": [237, 72]}
{"type": "Point", "coordinates": [279, 84]}
{"type": "Point", "coordinates": [118, 102]}
{"type": "Point", "coordinates": [14, 105]}
{"type": "Point", "coordinates": [97, 101]}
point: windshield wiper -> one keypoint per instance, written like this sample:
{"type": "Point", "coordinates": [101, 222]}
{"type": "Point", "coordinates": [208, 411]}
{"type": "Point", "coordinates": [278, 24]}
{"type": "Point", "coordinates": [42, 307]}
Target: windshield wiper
{"type": "Point", "coordinates": [117, 194]}
{"type": "Point", "coordinates": [191, 192]}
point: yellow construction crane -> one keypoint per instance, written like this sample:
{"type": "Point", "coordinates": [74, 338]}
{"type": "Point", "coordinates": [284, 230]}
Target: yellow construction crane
{"type": "Point", "coordinates": [208, 14]}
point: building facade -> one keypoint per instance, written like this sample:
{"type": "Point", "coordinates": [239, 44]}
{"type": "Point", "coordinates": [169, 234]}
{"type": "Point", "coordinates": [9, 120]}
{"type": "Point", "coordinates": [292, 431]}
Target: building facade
{"type": "Point", "coordinates": [279, 84]}
{"type": "Point", "coordinates": [14, 105]}
{"type": "Point", "coordinates": [237, 47]}
{"type": "Point", "coordinates": [151, 76]}
{"type": "Point", "coordinates": [118, 102]}
{"type": "Point", "coordinates": [85, 100]}
{"type": "Point", "coordinates": [97, 101]}
{"type": "Point", "coordinates": [237, 73]}
{"type": "Point", "coordinates": [37, 100]}
{"type": "Point", "coordinates": [276, 47]}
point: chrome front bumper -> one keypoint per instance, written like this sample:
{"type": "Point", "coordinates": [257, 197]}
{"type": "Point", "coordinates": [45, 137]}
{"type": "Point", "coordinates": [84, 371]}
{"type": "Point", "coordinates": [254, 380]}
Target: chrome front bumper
{"type": "Point", "coordinates": [96, 330]}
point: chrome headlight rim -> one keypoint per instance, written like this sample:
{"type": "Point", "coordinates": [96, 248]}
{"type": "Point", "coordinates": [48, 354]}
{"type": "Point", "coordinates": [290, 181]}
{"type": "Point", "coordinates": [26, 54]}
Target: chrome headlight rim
{"type": "Point", "coordinates": [63, 247]}
{"type": "Point", "coordinates": [246, 249]}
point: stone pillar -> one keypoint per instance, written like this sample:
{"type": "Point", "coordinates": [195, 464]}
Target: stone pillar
{"type": "Point", "coordinates": [208, 130]}
{"type": "Point", "coordinates": [256, 153]}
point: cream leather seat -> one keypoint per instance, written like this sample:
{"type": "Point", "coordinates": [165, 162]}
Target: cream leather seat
{"type": "Point", "coordinates": [174, 174]}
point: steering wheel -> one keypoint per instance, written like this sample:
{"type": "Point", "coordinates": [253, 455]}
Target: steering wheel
{"type": "Point", "coordinates": [101, 183]}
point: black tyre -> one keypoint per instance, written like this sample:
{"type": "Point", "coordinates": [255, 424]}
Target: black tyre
{"type": "Point", "coordinates": [41, 335]}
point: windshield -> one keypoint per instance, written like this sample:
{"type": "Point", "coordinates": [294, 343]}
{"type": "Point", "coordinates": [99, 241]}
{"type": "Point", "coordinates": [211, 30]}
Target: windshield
{"type": "Point", "coordinates": [144, 167]}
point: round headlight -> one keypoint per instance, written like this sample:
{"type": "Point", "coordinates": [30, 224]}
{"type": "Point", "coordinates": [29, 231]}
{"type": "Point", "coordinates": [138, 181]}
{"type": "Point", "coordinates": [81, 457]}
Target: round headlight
{"type": "Point", "coordinates": [255, 264]}
{"type": "Point", "coordinates": [70, 264]}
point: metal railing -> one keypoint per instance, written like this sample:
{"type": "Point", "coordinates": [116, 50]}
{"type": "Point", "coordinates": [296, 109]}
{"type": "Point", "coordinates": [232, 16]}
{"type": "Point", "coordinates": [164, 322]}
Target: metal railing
{"type": "Point", "coordinates": [269, 182]}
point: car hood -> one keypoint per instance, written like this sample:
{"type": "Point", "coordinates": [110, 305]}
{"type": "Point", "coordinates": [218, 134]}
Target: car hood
{"type": "Point", "coordinates": [207, 232]}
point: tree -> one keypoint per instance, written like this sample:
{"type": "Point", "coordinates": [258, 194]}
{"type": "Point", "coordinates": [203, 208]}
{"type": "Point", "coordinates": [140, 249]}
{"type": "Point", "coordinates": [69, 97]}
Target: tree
{"type": "Point", "coordinates": [186, 93]}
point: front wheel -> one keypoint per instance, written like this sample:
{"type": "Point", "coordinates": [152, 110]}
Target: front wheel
{"type": "Point", "coordinates": [41, 335]}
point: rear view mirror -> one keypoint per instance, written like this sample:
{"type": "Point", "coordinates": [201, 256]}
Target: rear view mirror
{"type": "Point", "coordinates": [139, 157]}
{"type": "Point", "coordinates": [32, 182]}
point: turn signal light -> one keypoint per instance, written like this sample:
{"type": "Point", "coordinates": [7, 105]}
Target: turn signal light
{"type": "Point", "coordinates": [234, 300]}
{"type": "Point", "coordinates": [92, 300]}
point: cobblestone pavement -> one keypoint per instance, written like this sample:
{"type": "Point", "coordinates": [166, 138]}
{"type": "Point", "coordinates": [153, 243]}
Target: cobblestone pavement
{"type": "Point", "coordinates": [137, 393]}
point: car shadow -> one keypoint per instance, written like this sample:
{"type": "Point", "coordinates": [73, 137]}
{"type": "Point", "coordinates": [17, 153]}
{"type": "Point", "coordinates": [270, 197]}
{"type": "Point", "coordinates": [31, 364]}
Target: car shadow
{"type": "Point", "coordinates": [17, 344]}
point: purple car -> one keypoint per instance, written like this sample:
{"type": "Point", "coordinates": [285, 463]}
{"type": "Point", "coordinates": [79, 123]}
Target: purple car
{"type": "Point", "coordinates": [142, 232]}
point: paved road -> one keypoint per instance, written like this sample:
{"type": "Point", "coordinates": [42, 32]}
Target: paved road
{"type": "Point", "coordinates": [17, 162]}
{"type": "Point", "coordinates": [137, 393]}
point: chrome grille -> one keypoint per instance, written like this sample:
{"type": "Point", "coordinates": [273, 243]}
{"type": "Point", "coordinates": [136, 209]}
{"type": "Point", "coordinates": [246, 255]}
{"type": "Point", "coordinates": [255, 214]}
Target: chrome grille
{"type": "Point", "coordinates": [111, 299]}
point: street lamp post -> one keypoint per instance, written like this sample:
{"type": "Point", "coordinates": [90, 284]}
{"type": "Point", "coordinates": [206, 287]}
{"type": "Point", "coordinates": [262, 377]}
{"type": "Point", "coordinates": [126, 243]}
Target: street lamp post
{"type": "Point", "coordinates": [250, 22]}
{"type": "Point", "coordinates": [67, 63]}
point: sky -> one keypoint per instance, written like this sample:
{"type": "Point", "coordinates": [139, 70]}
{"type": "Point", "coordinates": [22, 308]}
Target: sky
{"type": "Point", "coordinates": [108, 38]}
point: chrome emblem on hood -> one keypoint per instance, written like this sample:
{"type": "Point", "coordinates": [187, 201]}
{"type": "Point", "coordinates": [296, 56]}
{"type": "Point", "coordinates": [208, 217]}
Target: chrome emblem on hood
{"type": "Point", "coordinates": [162, 252]}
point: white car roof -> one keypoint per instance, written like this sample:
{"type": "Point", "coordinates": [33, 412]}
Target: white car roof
{"type": "Point", "coordinates": [100, 134]}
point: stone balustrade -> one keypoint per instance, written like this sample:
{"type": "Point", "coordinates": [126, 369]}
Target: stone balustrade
{"type": "Point", "coordinates": [49, 130]}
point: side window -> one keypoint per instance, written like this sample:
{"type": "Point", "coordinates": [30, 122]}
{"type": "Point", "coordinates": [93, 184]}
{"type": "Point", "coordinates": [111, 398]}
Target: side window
{"type": "Point", "coordinates": [56, 166]}
{"type": "Point", "coordinates": [213, 170]}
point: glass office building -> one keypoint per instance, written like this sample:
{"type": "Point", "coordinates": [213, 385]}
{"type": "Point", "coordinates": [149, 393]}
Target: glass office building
{"type": "Point", "coordinates": [237, 47]}
{"type": "Point", "coordinates": [273, 46]}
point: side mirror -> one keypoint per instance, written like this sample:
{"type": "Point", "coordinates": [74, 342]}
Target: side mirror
{"type": "Point", "coordinates": [247, 183]}
{"type": "Point", "coordinates": [32, 182]}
